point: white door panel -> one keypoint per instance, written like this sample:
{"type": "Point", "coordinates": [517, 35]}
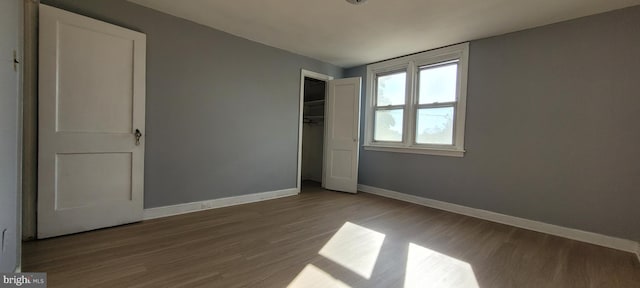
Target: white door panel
{"type": "Point", "coordinates": [343, 129]}
{"type": "Point", "coordinates": [95, 93]}
{"type": "Point", "coordinates": [91, 102]}
{"type": "Point", "coordinates": [81, 182]}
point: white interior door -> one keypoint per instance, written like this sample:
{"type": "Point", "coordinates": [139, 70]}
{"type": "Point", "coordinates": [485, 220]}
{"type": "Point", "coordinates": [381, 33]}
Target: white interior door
{"type": "Point", "coordinates": [91, 103]}
{"type": "Point", "coordinates": [342, 122]}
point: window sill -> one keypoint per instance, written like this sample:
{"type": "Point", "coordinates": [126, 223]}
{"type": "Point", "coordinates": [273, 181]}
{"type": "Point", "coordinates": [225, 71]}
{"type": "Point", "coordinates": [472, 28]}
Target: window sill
{"type": "Point", "coordinates": [427, 151]}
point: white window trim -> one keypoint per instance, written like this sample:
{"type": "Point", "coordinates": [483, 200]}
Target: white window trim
{"type": "Point", "coordinates": [411, 63]}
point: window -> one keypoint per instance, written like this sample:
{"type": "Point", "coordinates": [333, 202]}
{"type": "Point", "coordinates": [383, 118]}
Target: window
{"type": "Point", "coordinates": [416, 103]}
{"type": "Point", "coordinates": [390, 103]}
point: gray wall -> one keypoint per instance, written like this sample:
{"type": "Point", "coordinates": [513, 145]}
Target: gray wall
{"type": "Point", "coordinates": [552, 129]}
{"type": "Point", "coordinates": [10, 25]}
{"type": "Point", "coordinates": [222, 111]}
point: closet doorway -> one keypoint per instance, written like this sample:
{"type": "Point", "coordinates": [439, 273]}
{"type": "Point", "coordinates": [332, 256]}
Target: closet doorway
{"type": "Point", "coordinates": [313, 93]}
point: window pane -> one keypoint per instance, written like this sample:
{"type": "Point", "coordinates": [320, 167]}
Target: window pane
{"type": "Point", "coordinates": [438, 84]}
{"type": "Point", "coordinates": [388, 125]}
{"type": "Point", "coordinates": [435, 126]}
{"type": "Point", "coordinates": [391, 89]}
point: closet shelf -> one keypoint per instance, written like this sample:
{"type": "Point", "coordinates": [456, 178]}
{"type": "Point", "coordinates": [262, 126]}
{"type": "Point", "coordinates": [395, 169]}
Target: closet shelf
{"type": "Point", "coordinates": [314, 103]}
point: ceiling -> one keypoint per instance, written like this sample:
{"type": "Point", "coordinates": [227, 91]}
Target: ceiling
{"type": "Point", "coordinates": [347, 35]}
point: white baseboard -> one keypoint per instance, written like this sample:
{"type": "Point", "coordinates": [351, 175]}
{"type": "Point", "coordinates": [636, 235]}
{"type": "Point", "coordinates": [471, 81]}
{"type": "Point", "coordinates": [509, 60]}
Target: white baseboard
{"type": "Point", "coordinates": [171, 210]}
{"type": "Point", "coordinates": [575, 234]}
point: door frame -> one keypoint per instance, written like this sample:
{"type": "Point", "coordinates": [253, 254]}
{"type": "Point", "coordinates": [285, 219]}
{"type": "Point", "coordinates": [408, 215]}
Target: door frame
{"type": "Point", "coordinates": [318, 76]}
{"type": "Point", "coordinates": [21, 72]}
{"type": "Point", "coordinates": [18, 68]}
{"type": "Point", "coordinates": [30, 121]}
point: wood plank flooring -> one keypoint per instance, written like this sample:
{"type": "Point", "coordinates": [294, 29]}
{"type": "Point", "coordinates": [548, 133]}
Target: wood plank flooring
{"type": "Point", "coordinates": [325, 239]}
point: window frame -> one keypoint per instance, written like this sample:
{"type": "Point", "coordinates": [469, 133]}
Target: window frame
{"type": "Point", "coordinates": [411, 64]}
{"type": "Point", "coordinates": [404, 106]}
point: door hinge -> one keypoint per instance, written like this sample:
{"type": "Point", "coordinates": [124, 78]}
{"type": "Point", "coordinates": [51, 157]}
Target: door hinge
{"type": "Point", "coordinates": [15, 61]}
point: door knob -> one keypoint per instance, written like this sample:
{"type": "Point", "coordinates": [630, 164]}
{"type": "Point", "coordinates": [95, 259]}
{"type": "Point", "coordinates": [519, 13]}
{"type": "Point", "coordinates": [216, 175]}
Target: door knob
{"type": "Point", "coordinates": [138, 134]}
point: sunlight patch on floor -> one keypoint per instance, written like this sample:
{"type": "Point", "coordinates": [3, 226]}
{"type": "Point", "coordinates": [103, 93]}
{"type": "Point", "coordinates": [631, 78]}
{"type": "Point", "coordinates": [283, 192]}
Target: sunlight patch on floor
{"type": "Point", "coordinates": [312, 276]}
{"type": "Point", "coordinates": [428, 268]}
{"type": "Point", "coordinates": [355, 248]}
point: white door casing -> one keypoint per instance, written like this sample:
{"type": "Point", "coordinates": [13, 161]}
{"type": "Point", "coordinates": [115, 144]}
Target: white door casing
{"type": "Point", "coordinates": [10, 133]}
{"type": "Point", "coordinates": [91, 101]}
{"type": "Point", "coordinates": [342, 124]}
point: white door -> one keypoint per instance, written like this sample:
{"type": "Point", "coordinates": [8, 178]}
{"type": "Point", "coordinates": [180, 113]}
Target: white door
{"type": "Point", "coordinates": [91, 103]}
{"type": "Point", "coordinates": [342, 119]}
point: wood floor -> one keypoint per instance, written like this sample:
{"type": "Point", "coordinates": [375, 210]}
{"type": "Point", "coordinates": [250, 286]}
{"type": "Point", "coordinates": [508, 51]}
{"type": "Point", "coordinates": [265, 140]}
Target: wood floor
{"type": "Point", "coordinates": [326, 239]}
